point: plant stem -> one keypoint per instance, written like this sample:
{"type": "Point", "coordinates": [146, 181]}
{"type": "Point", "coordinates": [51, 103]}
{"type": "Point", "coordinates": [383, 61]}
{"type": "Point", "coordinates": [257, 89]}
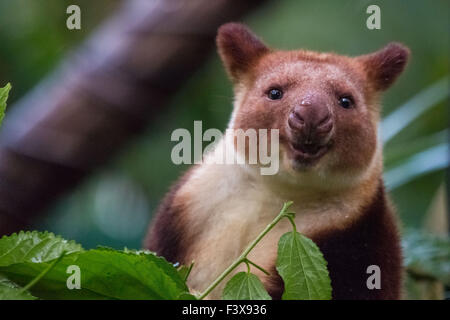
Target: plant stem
{"type": "Point", "coordinates": [189, 271]}
{"type": "Point", "coordinates": [243, 257]}
{"type": "Point", "coordinates": [258, 267]}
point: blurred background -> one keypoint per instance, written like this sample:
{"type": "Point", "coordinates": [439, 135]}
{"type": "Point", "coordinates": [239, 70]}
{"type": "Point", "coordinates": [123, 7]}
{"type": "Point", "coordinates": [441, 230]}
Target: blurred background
{"type": "Point", "coordinates": [115, 201]}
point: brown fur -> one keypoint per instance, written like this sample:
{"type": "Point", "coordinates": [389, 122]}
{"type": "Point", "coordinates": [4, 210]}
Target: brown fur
{"type": "Point", "coordinates": [215, 211]}
{"type": "Point", "coordinates": [372, 239]}
{"type": "Point", "coordinates": [167, 235]}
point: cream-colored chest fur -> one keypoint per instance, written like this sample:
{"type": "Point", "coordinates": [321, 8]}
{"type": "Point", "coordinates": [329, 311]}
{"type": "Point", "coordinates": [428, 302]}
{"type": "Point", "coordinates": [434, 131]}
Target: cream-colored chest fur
{"type": "Point", "coordinates": [227, 207]}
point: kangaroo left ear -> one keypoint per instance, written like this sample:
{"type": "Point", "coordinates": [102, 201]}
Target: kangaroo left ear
{"type": "Point", "coordinates": [385, 65]}
{"type": "Point", "coordinates": [238, 48]}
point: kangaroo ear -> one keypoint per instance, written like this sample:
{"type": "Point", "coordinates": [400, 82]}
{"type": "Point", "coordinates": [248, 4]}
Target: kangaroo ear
{"type": "Point", "coordinates": [238, 48]}
{"type": "Point", "coordinates": [385, 65]}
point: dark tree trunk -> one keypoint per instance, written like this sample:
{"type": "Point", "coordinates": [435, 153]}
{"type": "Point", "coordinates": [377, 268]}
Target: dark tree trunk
{"type": "Point", "coordinates": [100, 98]}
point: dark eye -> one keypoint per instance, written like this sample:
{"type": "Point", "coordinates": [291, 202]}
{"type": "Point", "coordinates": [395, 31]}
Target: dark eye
{"type": "Point", "coordinates": [346, 102]}
{"type": "Point", "coordinates": [275, 94]}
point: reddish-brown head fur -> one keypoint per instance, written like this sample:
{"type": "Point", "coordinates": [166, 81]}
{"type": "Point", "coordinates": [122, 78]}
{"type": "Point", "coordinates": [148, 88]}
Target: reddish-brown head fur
{"type": "Point", "coordinates": [325, 107]}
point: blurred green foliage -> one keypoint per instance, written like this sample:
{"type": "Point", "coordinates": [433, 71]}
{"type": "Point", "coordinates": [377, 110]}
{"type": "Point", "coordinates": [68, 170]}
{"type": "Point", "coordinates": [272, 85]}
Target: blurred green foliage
{"type": "Point", "coordinates": [114, 207]}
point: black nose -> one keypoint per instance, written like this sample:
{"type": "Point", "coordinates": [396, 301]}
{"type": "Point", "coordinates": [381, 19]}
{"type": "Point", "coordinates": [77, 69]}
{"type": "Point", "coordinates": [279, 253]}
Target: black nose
{"type": "Point", "coordinates": [311, 120]}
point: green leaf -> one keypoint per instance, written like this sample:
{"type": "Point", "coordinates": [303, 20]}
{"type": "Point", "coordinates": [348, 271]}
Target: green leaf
{"type": "Point", "coordinates": [186, 296]}
{"type": "Point", "coordinates": [34, 247]}
{"type": "Point", "coordinates": [245, 286]}
{"type": "Point", "coordinates": [395, 156]}
{"type": "Point", "coordinates": [303, 269]}
{"type": "Point", "coordinates": [11, 291]}
{"type": "Point", "coordinates": [105, 274]}
{"type": "Point", "coordinates": [432, 159]}
{"type": "Point", "coordinates": [407, 113]}
{"type": "Point", "coordinates": [427, 255]}
{"type": "Point", "coordinates": [4, 92]}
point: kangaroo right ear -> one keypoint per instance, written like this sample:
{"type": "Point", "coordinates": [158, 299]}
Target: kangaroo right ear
{"type": "Point", "coordinates": [238, 48]}
{"type": "Point", "coordinates": [385, 65]}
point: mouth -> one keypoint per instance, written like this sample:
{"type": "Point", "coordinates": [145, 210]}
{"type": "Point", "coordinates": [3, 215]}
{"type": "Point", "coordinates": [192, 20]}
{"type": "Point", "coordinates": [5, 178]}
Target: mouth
{"type": "Point", "coordinates": [307, 154]}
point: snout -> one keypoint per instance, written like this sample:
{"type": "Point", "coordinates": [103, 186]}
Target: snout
{"type": "Point", "coordinates": [310, 125]}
